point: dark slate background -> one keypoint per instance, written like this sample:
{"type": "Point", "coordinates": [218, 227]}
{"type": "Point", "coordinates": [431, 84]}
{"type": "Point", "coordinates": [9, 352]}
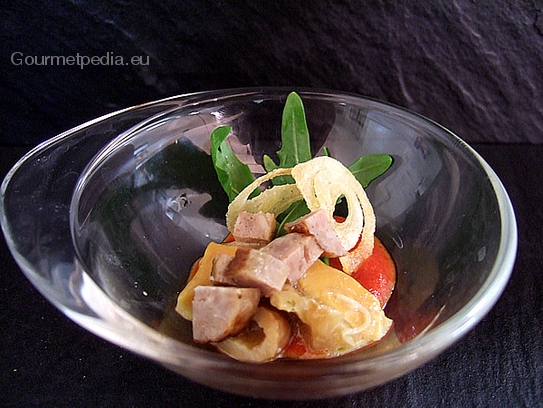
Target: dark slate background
{"type": "Point", "coordinates": [473, 66]}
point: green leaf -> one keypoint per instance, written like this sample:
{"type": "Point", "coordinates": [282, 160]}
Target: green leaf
{"type": "Point", "coordinates": [233, 174]}
{"type": "Point", "coordinates": [367, 168]}
{"type": "Point", "coordinates": [296, 210]}
{"type": "Point", "coordinates": [295, 146]}
{"type": "Point", "coordinates": [269, 164]}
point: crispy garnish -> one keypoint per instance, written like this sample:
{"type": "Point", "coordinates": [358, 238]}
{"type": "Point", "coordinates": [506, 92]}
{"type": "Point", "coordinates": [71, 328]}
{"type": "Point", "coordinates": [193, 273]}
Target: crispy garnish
{"type": "Point", "coordinates": [320, 182]}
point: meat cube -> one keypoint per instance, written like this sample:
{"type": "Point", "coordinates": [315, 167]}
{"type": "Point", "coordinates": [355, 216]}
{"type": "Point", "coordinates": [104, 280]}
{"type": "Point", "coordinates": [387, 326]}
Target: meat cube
{"type": "Point", "coordinates": [252, 268]}
{"type": "Point", "coordinates": [317, 224]}
{"type": "Point", "coordinates": [220, 264]}
{"type": "Point", "coordinates": [298, 251]}
{"type": "Point", "coordinates": [219, 312]}
{"type": "Point", "coordinates": [253, 228]}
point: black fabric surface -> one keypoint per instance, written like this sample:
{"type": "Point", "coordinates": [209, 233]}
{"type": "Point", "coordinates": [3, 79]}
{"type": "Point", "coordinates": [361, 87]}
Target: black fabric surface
{"type": "Point", "coordinates": [47, 360]}
{"type": "Point", "coordinates": [472, 66]}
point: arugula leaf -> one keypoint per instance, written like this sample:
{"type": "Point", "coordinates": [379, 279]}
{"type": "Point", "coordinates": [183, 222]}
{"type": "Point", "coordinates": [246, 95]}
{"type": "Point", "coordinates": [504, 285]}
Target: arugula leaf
{"type": "Point", "coordinates": [269, 164]}
{"type": "Point", "coordinates": [295, 146]}
{"type": "Point", "coordinates": [233, 174]}
{"type": "Point", "coordinates": [296, 210]}
{"type": "Point", "coordinates": [367, 168]}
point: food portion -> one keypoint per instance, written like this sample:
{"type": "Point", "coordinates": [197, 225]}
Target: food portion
{"type": "Point", "coordinates": [291, 280]}
{"type": "Point", "coordinates": [339, 313]}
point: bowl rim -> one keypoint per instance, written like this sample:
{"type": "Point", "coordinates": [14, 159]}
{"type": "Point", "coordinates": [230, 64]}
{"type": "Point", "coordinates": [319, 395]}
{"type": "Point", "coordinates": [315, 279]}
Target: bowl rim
{"type": "Point", "coordinates": [438, 339]}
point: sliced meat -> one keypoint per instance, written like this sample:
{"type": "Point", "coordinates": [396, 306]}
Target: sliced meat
{"type": "Point", "coordinates": [218, 312]}
{"type": "Point", "coordinates": [317, 224]}
{"type": "Point", "coordinates": [252, 268]}
{"type": "Point", "coordinates": [298, 251]}
{"type": "Point", "coordinates": [258, 228]}
{"type": "Point", "coordinates": [220, 264]}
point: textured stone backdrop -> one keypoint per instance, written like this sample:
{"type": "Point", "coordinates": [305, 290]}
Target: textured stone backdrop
{"type": "Point", "coordinates": [473, 66]}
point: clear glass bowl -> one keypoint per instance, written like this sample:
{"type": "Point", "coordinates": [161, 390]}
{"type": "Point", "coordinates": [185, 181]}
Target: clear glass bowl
{"type": "Point", "coordinates": [107, 218]}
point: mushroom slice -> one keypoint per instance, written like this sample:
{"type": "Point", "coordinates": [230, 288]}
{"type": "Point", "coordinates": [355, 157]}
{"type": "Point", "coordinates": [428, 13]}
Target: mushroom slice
{"type": "Point", "coordinates": [262, 340]}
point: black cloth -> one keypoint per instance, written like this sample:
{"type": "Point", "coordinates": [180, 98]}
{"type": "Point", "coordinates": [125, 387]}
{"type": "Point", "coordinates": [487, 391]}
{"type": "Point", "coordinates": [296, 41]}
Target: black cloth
{"type": "Point", "coordinates": [47, 360]}
{"type": "Point", "coordinates": [472, 66]}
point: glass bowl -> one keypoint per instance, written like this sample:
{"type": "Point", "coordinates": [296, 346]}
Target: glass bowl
{"type": "Point", "coordinates": [106, 220]}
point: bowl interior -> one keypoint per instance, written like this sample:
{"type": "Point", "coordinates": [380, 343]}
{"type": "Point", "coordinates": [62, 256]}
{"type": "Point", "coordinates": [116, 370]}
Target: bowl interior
{"type": "Point", "coordinates": [150, 202]}
{"type": "Point", "coordinates": [107, 219]}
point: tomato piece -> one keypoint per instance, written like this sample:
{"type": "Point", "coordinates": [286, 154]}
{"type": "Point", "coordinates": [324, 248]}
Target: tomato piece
{"type": "Point", "coordinates": [298, 348]}
{"type": "Point", "coordinates": [377, 273]}
{"type": "Point", "coordinates": [229, 238]}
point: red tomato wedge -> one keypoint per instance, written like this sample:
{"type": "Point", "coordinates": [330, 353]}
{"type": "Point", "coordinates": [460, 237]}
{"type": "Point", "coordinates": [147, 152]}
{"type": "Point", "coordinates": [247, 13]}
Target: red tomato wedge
{"type": "Point", "coordinates": [377, 273]}
{"type": "Point", "coordinates": [298, 348]}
